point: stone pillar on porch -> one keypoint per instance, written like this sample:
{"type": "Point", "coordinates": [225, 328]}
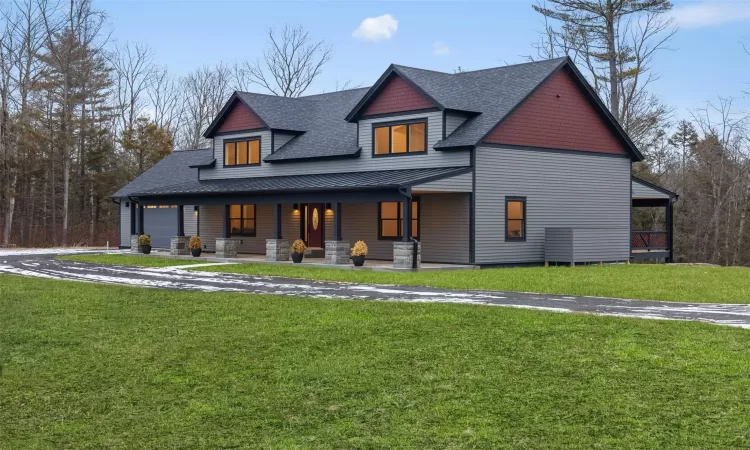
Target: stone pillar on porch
{"type": "Point", "coordinates": [178, 245]}
{"type": "Point", "coordinates": [337, 250]}
{"type": "Point", "coordinates": [407, 253]}
{"type": "Point", "coordinates": [277, 249]}
{"type": "Point", "coordinates": [134, 247]}
{"type": "Point", "coordinates": [403, 255]}
{"type": "Point", "coordinates": [226, 247]}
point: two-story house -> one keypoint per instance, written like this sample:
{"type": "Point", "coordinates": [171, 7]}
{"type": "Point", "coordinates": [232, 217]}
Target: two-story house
{"type": "Point", "coordinates": [509, 165]}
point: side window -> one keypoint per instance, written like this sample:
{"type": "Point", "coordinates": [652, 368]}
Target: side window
{"type": "Point", "coordinates": [391, 220]}
{"type": "Point", "coordinates": [515, 218]}
{"type": "Point", "coordinates": [242, 220]}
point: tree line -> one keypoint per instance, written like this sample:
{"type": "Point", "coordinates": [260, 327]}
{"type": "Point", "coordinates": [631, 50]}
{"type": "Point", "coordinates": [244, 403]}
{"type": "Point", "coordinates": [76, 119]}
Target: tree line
{"type": "Point", "coordinates": [81, 116]}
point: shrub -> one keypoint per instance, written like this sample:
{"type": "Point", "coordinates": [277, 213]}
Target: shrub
{"type": "Point", "coordinates": [144, 239]}
{"type": "Point", "coordinates": [359, 249]}
{"type": "Point", "coordinates": [298, 246]}
{"type": "Point", "coordinates": [195, 242]}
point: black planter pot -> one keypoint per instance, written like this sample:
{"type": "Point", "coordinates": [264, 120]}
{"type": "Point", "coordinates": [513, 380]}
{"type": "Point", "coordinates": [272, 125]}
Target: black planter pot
{"type": "Point", "coordinates": [145, 249]}
{"type": "Point", "coordinates": [358, 261]}
{"type": "Point", "coordinates": [196, 252]}
{"type": "Point", "coordinates": [297, 257]}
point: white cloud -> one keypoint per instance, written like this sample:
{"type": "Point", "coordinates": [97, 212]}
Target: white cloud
{"type": "Point", "coordinates": [708, 13]}
{"type": "Point", "coordinates": [440, 48]}
{"type": "Point", "coordinates": [375, 29]}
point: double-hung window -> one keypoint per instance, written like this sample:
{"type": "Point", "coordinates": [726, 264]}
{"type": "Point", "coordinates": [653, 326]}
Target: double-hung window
{"type": "Point", "coordinates": [242, 152]}
{"type": "Point", "coordinates": [400, 138]}
{"type": "Point", "coordinates": [515, 218]}
{"type": "Point", "coordinates": [242, 220]}
{"type": "Point", "coordinates": [391, 220]}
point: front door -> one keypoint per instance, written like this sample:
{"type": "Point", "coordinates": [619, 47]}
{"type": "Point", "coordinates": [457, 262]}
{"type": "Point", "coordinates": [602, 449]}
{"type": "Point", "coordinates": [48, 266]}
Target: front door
{"type": "Point", "coordinates": [315, 224]}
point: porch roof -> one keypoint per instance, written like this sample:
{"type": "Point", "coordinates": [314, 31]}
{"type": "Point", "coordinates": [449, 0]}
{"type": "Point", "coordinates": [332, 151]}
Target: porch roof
{"type": "Point", "coordinates": [347, 181]}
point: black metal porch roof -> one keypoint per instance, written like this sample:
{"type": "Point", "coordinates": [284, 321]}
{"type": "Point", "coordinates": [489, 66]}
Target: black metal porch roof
{"type": "Point", "coordinates": [347, 181]}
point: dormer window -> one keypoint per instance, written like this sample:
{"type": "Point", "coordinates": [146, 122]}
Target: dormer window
{"type": "Point", "coordinates": [242, 152]}
{"type": "Point", "coordinates": [399, 138]}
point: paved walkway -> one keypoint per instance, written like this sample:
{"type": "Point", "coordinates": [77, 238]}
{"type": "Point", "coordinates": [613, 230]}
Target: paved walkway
{"type": "Point", "coordinates": [45, 266]}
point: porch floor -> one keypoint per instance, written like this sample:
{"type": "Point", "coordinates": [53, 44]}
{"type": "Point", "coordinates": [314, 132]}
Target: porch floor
{"type": "Point", "coordinates": [370, 264]}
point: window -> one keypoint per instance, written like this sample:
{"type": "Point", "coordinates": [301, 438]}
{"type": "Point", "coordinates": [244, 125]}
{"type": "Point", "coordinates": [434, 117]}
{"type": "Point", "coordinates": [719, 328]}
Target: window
{"type": "Point", "coordinates": [245, 152]}
{"type": "Point", "coordinates": [242, 220]}
{"type": "Point", "coordinates": [391, 220]}
{"type": "Point", "coordinates": [515, 218]}
{"type": "Point", "coordinates": [400, 138]}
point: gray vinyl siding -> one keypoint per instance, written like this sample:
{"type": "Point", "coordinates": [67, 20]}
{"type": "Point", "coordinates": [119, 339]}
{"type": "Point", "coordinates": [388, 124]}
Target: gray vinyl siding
{"type": "Point", "coordinates": [444, 228]}
{"type": "Point", "coordinates": [643, 191]}
{"type": "Point", "coordinates": [453, 120]}
{"type": "Point", "coordinates": [365, 162]}
{"type": "Point", "coordinates": [460, 183]}
{"type": "Point", "coordinates": [279, 139]}
{"type": "Point", "coordinates": [191, 221]}
{"type": "Point", "coordinates": [564, 189]}
{"type": "Point", "coordinates": [124, 224]}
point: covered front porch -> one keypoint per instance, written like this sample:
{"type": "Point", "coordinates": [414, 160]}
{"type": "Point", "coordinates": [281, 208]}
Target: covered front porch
{"type": "Point", "coordinates": [404, 221]}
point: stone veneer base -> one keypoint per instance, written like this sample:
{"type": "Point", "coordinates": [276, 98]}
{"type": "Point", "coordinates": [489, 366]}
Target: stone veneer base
{"type": "Point", "coordinates": [277, 249]}
{"type": "Point", "coordinates": [226, 248]}
{"type": "Point", "coordinates": [179, 245]}
{"type": "Point", "coordinates": [403, 255]}
{"type": "Point", "coordinates": [337, 252]}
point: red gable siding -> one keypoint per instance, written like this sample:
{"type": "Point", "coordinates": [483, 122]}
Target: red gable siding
{"type": "Point", "coordinates": [241, 118]}
{"type": "Point", "coordinates": [397, 96]}
{"type": "Point", "coordinates": [558, 115]}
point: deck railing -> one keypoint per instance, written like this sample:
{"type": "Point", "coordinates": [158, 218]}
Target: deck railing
{"type": "Point", "coordinates": [649, 240]}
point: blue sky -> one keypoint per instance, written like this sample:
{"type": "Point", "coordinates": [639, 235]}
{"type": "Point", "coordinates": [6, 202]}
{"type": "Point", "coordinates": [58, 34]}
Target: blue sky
{"type": "Point", "coordinates": [706, 57]}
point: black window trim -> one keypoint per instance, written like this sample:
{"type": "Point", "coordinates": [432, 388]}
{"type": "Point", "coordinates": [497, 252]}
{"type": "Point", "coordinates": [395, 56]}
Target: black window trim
{"type": "Point", "coordinates": [399, 220]}
{"type": "Point", "coordinates": [390, 153]}
{"type": "Point", "coordinates": [242, 220]}
{"type": "Point", "coordinates": [523, 221]}
{"type": "Point", "coordinates": [244, 139]}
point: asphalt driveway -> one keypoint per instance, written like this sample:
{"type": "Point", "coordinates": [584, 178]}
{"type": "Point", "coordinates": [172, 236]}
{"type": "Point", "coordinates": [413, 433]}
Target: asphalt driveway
{"type": "Point", "coordinates": [45, 266]}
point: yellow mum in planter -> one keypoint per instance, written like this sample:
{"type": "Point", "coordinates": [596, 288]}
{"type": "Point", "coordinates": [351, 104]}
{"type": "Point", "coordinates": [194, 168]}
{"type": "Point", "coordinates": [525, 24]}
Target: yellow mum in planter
{"type": "Point", "coordinates": [359, 249]}
{"type": "Point", "coordinates": [298, 246]}
{"type": "Point", "coordinates": [144, 240]}
{"type": "Point", "coordinates": [195, 242]}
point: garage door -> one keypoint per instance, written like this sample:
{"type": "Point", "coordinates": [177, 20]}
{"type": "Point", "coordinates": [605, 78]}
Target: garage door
{"type": "Point", "coordinates": [161, 223]}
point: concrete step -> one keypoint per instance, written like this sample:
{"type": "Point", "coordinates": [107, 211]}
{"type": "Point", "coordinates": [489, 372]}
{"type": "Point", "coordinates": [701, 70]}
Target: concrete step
{"type": "Point", "coordinates": [315, 252]}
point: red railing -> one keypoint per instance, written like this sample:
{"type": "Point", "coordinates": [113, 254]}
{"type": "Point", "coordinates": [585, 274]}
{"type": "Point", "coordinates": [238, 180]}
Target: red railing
{"type": "Point", "coordinates": [649, 240]}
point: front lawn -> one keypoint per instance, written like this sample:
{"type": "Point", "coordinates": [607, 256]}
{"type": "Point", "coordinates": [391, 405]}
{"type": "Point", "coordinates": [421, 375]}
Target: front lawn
{"type": "Point", "coordinates": [100, 366]}
{"type": "Point", "coordinates": [638, 281]}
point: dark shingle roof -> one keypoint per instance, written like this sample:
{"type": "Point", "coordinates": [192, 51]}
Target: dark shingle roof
{"type": "Point", "coordinates": [320, 182]}
{"type": "Point", "coordinates": [328, 135]}
{"type": "Point", "coordinates": [173, 169]}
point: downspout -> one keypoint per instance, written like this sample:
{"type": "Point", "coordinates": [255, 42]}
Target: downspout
{"type": "Point", "coordinates": [406, 192]}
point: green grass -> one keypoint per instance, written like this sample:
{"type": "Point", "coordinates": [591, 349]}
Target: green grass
{"type": "Point", "coordinates": [130, 260]}
{"type": "Point", "coordinates": [100, 366]}
{"type": "Point", "coordinates": [638, 281]}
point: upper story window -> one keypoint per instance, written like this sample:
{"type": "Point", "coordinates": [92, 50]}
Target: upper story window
{"type": "Point", "coordinates": [391, 220]}
{"type": "Point", "coordinates": [515, 218]}
{"type": "Point", "coordinates": [242, 152]}
{"type": "Point", "coordinates": [242, 220]}
{"type": "Point", "coordinates": [399, 138]}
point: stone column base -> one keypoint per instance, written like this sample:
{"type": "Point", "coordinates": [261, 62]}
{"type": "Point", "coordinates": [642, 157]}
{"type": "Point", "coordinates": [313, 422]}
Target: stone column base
{"type": "Point", "coordinates": [178, 245]}
{"type": "Point", "coordinates": [277, 249]}
{"type": "Point", "coordinates": [226, 248]}
{"type": "Point", "coordinates": [403, 255]}
{"type": "Point", "coordinates": [338, 252]}
{"type": "Point", "coordinates": [134, 247]}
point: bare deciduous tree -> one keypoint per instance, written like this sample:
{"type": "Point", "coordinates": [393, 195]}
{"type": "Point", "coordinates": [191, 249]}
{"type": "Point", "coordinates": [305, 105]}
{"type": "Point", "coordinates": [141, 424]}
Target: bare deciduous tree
{"type": "Point", "coordinates": [133, 69]}
{"type": "Point", "coordinates": [289, 66]}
